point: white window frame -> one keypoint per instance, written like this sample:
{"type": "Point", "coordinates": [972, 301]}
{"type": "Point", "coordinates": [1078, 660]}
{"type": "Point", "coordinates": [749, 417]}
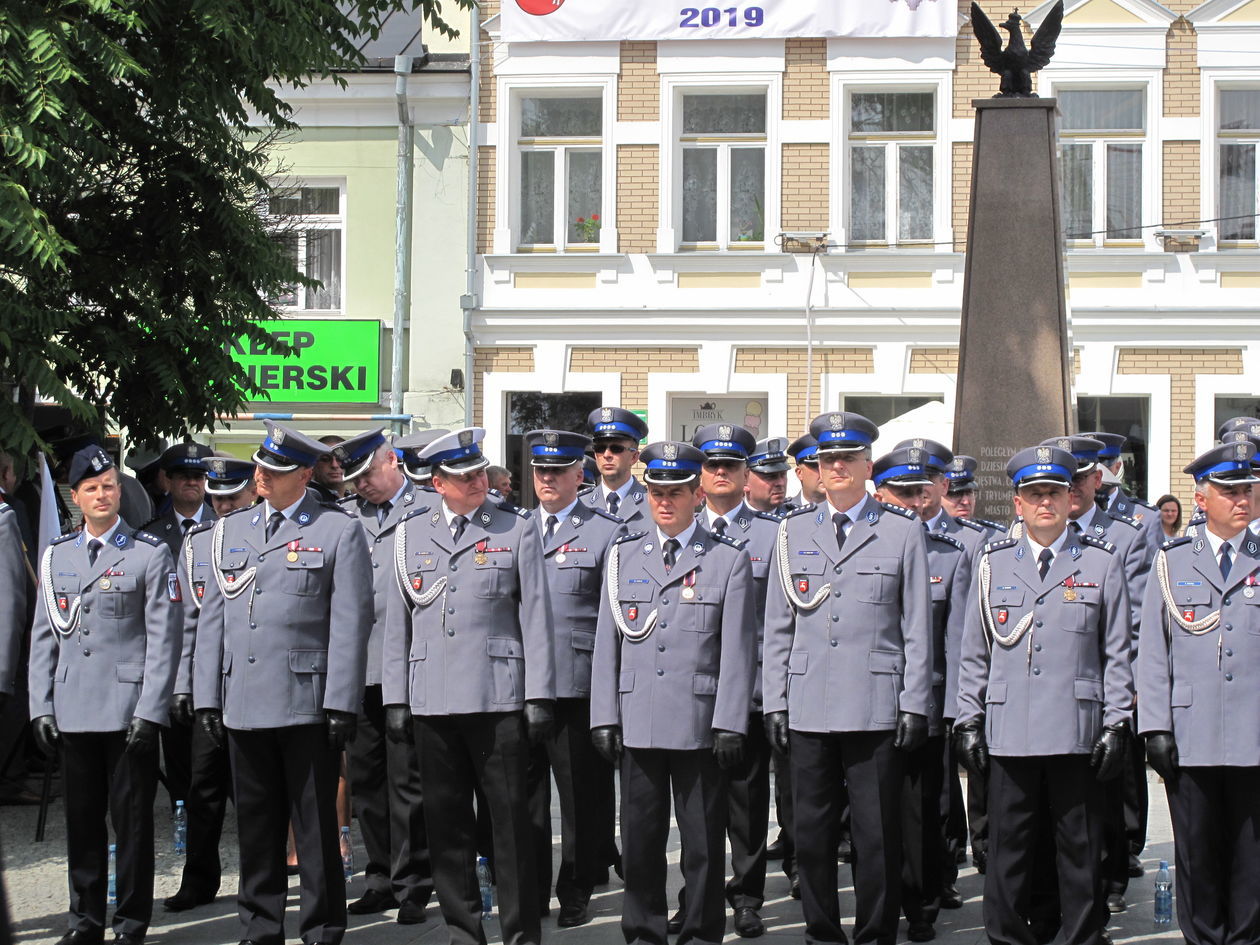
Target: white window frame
{"type": "Point", "coordinates": [315, 222]}
{"type": "Point", "coordinates": [940, 84]}
{"type": "Point", "coordinates": [1214, 81]}
{"type": "Point", "coordinates": [509, 148]}
{"type": "Point", "coordinates": [673, 88]}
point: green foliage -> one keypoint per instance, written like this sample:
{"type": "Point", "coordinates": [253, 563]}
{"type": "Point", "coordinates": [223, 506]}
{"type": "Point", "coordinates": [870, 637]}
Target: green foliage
{"type": "Point", "coordinates": [130, 173]}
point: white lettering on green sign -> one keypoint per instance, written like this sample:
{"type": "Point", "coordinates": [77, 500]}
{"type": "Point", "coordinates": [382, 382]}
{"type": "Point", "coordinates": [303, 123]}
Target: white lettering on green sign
{"type": "Point", "coordinates": [331, 361]}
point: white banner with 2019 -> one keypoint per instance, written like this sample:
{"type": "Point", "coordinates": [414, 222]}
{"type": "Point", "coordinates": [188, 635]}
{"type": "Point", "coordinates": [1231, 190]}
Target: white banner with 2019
{"type": "Point", "coordinates": [525, 21]}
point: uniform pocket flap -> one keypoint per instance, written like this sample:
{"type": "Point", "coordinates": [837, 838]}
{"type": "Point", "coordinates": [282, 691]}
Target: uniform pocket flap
{"type": "Point", "coordinates": [498, 561]}
{"type": "Point", "coordinates": [583, 641]}
{"type": "Point", "coordinates": [996, 694]}
{"type": "Point", "coordinates": [809, 564]}
{"type": "Point", "coordinates": [886, 661]}
{"type": "Point", "coordinates": [797, 662]}
{"type": "Point", "coordinates": [504, 647]}
{"type": "Point", "coordinates": [879, 565]}
{"type": "Point", "coordinates": [1088, 690]}
{"type": "Point", "coordinates": [1182, 696]}
{"type": "Point", "coordinates": [305, 560]}
{"type": "Point", "coordinates": [625, 682]}
{"type": "Point", "coordinates": [419, 649]}
{"type": "Point", "coordinates": [308, 661]}
{"type": "Point", "coordinates": [1006, 597]}
{"type": "Point", "coordinates": [61, 672]}
{"type": "Point", "coordinates": [131, 671]}
{"type": "Point", "coordinates": [119, 585]}
{"type": "Point", "coordinates": [577, 559]}
{"type": "Point", "coordinates": [702, 684]}
{"type": "Point", "coordinates": [1197, 593]}
{"type": "Point", "coordinates": [704, 594]}
{"type": "Point", "coordinates": [232, 562]}
{"type": "Point", "coordinates": [760, 568]}
{"type": "Point", "coordinates": [636, 593]}
{"type": "Point", "coordinates": [227, 662]}
{"type": "Point", "coordinates": [426, 563]}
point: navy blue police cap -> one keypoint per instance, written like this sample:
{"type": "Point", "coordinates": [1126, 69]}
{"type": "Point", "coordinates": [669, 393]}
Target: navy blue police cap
{"type": "Point", "coordinates": [769, 455]}
{"type": "Point", "coordinates": [355, 454]}
{"type": "Point", "coordinates": [590, 471]}
{"type": "Point", "coordinates": [227, 475]}
{"type": "Point", "coordinates": [1086, 449]}
{"type": "Point", "coordinates": [1242, 436]}
{"type": "Point", "coordinates": [185, 456]}
{"type": "Point", "coordinates": [284, 449]}
{"type": "Point", "coordinates": [843, 432]}
{"type": "Point", "coordinates": [87, 462]}
{"type": "Point", "coordinates": [1228, 464]}
{"type": "Point", "coordinates": [1041, 464]}
{"type": "Point", "coordinates": [961, 473]}
{"type": "Point", "coordinates": [1246, 424]}
{"type": "Point", "coordinates": [1112, 443]}
{"type": "Point", "coordinates": [904, 466]}
{"type": "Point", "coordinates": [408, 450]}
{"type": "Point", "coordinates": [804, 449]}
{"type": "Point", "coordinates": [724, 441]}
{"type": "Point", "coordinates": [457, 452]}
{"type": "Point", "coordinates": [939, 456]}
{"type": "Point", "coordinates": [609, 422]}
{"type": "Point", "coordinates": [556, 448]}
{"type": "Point", "coordinates": [669, 463]}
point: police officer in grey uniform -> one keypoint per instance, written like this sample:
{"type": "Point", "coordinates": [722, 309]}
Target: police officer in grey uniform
{"type": "Point", "coordinates": [104, 650]}
{"type": "Point", "coordinates": [229, 486]}
{"type": "Point", "coordinates": [905, 478]}
{"type": "Point", "coordinates": [1117, 499]}
{"type": "Point", "coordinates": [767, 477]}
{"type": "Point", "coordinates": [468, 657]}
{"type": "Point", "coordinates": [804, 453]}
{"type": "Point", "coordinates": [384, 774]}
{"type": "Point", "coordinates": [418, 470]}
{"type": "Point", "coordinates": [575, 539]}
{"type": "Point", "coordinates": [960, 494]}
{"type": "Point", "coordinates": [848, 673]}
{"type": "Point", "coordinates": [938, 459]}
{"type": "Point", "coordinates": [1198, 705]}
{"type": "Point", "coordinates": [14, 590]}
{"type": "Point", "coordinates": [670, 693]}
{"type": "Point", "coordinates": [1046, 690]}
{"type": "Point", "coordinates": [279, 663]}
{"type": "Point", "coordinates": [616, 434]}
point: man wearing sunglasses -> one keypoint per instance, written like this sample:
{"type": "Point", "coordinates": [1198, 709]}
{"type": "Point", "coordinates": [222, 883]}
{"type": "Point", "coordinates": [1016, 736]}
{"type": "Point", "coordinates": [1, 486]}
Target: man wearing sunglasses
{"type": "Point", "coordinates": [616, 434]}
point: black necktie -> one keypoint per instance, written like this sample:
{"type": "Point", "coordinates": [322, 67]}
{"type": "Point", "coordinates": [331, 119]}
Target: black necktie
{"type": "Point", "coordinates": [1227, 559]}
{"type": "Point", "coordinates": [94, 549]}
{"type": "Point", "coordinates": [719, 527]}
{"type": "Point", "coordinates": [1043, 562]}
{"type": "Point", "coordinates": [187, 524]}
{"type": "Point", "coordinates": [457, 527]}
{"type": "Point", "coordinates": [1075, 526]}
{"type": "Point", "coordinates": [613, 501]}
{"type": "Point", "coordinates": [671, 554]}
{"type": "Point", "coordinates": [550, 531]}
{"type": "Point", "coordinates": [382, 510]}
{"type": "Point", "coordinates": [840, 520]}
{"type": "Point", "coordinates": [273, 524]}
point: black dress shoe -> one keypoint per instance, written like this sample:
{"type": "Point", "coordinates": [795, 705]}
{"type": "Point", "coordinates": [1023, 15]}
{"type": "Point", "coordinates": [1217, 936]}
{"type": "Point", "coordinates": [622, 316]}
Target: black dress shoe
{"type": "Point", "coordinates": [951, 898]}
{"type": "Point", "coordinates": [1135, 867]}
{"type": "Point", "coordinates": [1115, 903]}
{"type": "Point", "coordinates": [981, 861]}
{"type": "Point", "coordinates": [373, 901]}
{"type": "Point", "coordinates": [775, 850]}
{"type": "Point", "coordinates": [795, 891]}
{"type": "Point", "coordinates": [845, 851]}
{"type": "Point", "coordinates": [186, 899]}
{"type": "Point", "coordinates": [748, 924]}
{"type": "Point", "coordinates": [411, 913]}
{"type": "Point", "coordinates": [920, 932]}
{"type": "Point", "coordinates": [79, 937]}
{"type": "Point", "coordinates": [128, 938]}
{"type": "Point", "coordinates": [572, 914]}
{"type": "Point", "coordinates": [674, 925]}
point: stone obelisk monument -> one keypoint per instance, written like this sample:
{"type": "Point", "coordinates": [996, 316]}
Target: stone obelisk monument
{"type": "Point", "coordinates": [1014, 368]}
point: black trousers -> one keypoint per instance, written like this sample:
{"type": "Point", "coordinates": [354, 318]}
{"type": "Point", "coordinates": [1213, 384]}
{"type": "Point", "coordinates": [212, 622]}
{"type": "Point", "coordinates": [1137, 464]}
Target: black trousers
{"type": "Point", "coordinates": [385, 789]}
{"type": "Point", "coordinates": [1115, 861]}
{"type": "Point", "coordinates": [922, 842]}
{"type": "Point", "coordinates": [953, 815]}
{"type": "Point", "coordinates": [649, 778]}
{"type": "Point", "coordinates": [784, 811]}
{"type": "Point", "coordinates": [458, 752]}
{"type": "Point", "coordinates": [874, 771]}
{"type": "Point", "coordinates": [282, 775]}
{"type": "Point", "coordinates": [177, 760]}
{"type": "Point", "coordinates": [570, 756]}
{"type": "Point", "coordinates": [1216, 827]}
{"type": "Point", "coordinates": [1136, 799]}
{"type": "Point", "coordinates": [1021, 792]}
{"type": "Point", "coordinates": [209, 787]}
{"type": "Point", "coordinates": [99, 777]}
{"type": "Point", "coordinates": [978, 814]}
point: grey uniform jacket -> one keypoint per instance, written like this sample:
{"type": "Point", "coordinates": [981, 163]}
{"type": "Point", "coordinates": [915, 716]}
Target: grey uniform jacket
{"type": "Point", "coordinates": [973, 535]}
{"type": "Point", "coordinates": [852, 644]}
{"type": "Point", "coordinates": [1202, 686]}
{"type": "Point", "coordinates": [949, 574]}
{"type": "Point", "coordinates": [283, 630]}
{"type": "Point", "coordinates": [1144, 514]}
{"type": "Point", "coordinates": [632, 511]}
{"type": "Point", "coordinates": [470, 631]}
{"type": "Point", "coordinates": [193, 568]}
{"type": "Point", "coordinates": [115, 650]}
{"type": "Point", "coordinates": [693, 672]}
{"type": "Point", "coordinates": [575, 559]}
{"type": "Point", "coordinates": [756, 531]}
{"type": "Point", "coordinates": [168, 526]}
{"type": "Point", "coordinates": [15, 586]}
{"type": "Point", "coordinates": [1050, 691]}
{"type": "Point", "coordinates": [380, 543]}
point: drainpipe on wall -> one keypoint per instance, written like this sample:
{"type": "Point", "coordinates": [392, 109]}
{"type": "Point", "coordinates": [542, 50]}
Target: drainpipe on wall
{"type": "Point", "coordinates": [402, 232]}
{"type": "Point", "coordinates": [468, 301]}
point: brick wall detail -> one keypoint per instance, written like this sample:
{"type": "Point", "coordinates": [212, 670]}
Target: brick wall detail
{"type": "Point", "coordinates": [638, 89]}
{"type": "Point", "coordinates": [806, 189]}
{"type": "Point", "coordinates": [806, 90]}
{"type": "Point", "coordinates": [497, 361]}
{"type": "Point", "coordinates": [791, 362]}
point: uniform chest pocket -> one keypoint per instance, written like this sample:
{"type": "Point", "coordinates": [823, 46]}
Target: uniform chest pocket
{"type": "Point", "coordinates": [119, 597]}
{"type": "Point", "coordinates": [701, 609]}
{"type": "Point", "coordinates": [1080, 608]}
{"type": "Point", "coordinates": [760, 568]}
{"type": "Point", "coordinates": [578, 573]}
{"type": "Point", "coordinates": [635, 601]}
{"type": "Point", "coordinates": [305, 576]}
{"type": "Point", "coordinates": [878, 579]}
{"type": "Point", "coordinates": [808, 565]}
{"type": "Point", "coordinates": [1194, 595]}
{"type": "Point", "coordinates": [494, 576]}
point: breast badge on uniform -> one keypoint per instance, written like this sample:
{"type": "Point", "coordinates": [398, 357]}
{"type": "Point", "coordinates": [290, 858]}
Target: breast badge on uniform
{"type": "Point", "coordinates": [802, 585]}
{"type": "Point", "coordinates": [1002, 615]}
{"type": "Point", "coordinates": [632, 613]}
{"type": "Point", "coordinates": [172, 588]}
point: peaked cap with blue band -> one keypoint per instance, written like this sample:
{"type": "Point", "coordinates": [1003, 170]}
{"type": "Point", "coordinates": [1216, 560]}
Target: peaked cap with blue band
{"type": "Point", "coordinates": [1228, 464]}
{"type": "Point", "coordinates": [961, 473]}
{"type": "Point", "coordinates": [187, 456]}
{"type": "Point", "coordinates": [1242, 436]}
{"type": "Point", "coordinates": [904, 466]}
{"type": "Point", "coordinates": [939, 456]}
{"type": "Point", "coordinates": [669, 463]}
{"type": "Point", "coordinates": [87, 462]}
{"type": "Point", "coordinates": [1041, 464]}
{"type": "Point", "coordinates": [606, 422]}
{"type": "Point", "coordinates": [227, 475]}
{"type": "Point", "coordinates": [804, 449]}
{"type": "Point", "coordinates": [457, 452]}
{"type": "Point", "coordinates": [590, 471]}
{"type": "Point", "coordinates": [1112, 443]}
{"type": "Point", "coordinates": [1249, 425]}
{"type": "Point", "coordinates": [724, 441]}
{"type": "Point", "coordinates": [355, 454]}
{"type": "Point", "coordinates": [1086, 449]}
{"type": "Point", "coordinates": [284, 449]}
{"type": "Point", "coordinates": [843, 432]}
{"type": "Point", "coordinates": [408, 449]}
{"type": "Point", "coordinates": [769, 455]}
{"type": "Point", "coordinates": [556, 448]}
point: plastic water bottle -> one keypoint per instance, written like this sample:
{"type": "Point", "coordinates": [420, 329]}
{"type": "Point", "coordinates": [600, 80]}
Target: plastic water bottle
{"type": "Point", "coordinates": [112, 895]}
{"type": "Point", "coordinates": [180, 829]}
{"type": "Point", "coordinates": [347, 854]}
{"type": "Point", "coordinates": [1163, 897]}
{"type": "Point", "coordinates": [487, 889]}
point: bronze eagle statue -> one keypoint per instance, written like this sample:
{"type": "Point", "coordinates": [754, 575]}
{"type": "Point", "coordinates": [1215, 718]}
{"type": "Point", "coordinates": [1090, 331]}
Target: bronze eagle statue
{"type": "Point", "coordinates": [1017, 62]}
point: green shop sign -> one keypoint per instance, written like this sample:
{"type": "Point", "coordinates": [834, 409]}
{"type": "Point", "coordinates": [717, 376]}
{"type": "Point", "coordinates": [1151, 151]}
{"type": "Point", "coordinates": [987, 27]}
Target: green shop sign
{"type": "Point", "coordinates": [333, 362]}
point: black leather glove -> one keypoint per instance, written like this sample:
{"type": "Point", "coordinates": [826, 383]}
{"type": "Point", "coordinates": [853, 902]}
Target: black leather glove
{"type": "Point", "coordinates": [777, 731]}
{"type": "Point", "coordinates": [398, 725]}
{"type": "Point", "coordinates": [47, 735]}
{"type": "Point", "coordinates": [912, 731]}
{"type": "Point", "coordinates": [540, 720]}
{"type": "Point", "coordinates": [970, 747]}
{"type": "Point", "coordinates": [1107, 758]}
{"type": "Point", "coordinates": [607, 741]}
{"type": "Point", "coordinates": [341, 728]}
{"type": "Point", "coordinates": [728, 748]}
{"type": "Point", "coordinates": [142, 736]}
{"type": "Point", "coordinates": [1161, 752]}
{"type": "Point", "coordinates": [182, 708]}
{"type": "Point", "coordinates": [4, 700]}
{"type": "Point", "coordinates": [212, 724]}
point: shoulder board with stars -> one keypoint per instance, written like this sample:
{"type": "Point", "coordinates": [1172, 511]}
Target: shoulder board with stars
{"type": "Point", "coordinates": [1000, 544]}
{"type": "Point", "coordinates": [67, 537]}
{"type": "Point", "coordinates": [584, 490]}
{"type": "Point", "coordinates": [768, 516]}
{"type": "Point", "coordinates": [728, 540]}
{"type": "Point", "coordinates": [801, 510]}
{"type": "Point", "coordinates": [147, 537]}
{"type": "Point", "coordinates": [897, 509]}
{"type": "Point", "coordinates": [1098, 543]}
{"type": "Point", "coordinates": [972, 524]}
{"type": "Point", "coordinates": [200, 527]}
{"type": "Point", "coordinates": [630, 536]}
{"type": "Point", "coordinates": [1174, 542]}
{"type": "Point", "coordinates": [1127, 519]}
{"type": "Point", "coordinates": [947, 539]}
{"type": "Point", "coordinates": [5, 509]}
{"type": "Point", "coordinates": [984, 522]}
{"type": "Point", "coordinates": [414, 512]}
{"type": "Point", "coordinates": [334, 504]}
{"type": "Point", "coordinates": [352, 497]}
{"type": "Point", "coordinates": [1198, 518]}
{"type": "Point", "coordinates": [604, 513]}
{"type": "Point", "coordinates": [244, 508]}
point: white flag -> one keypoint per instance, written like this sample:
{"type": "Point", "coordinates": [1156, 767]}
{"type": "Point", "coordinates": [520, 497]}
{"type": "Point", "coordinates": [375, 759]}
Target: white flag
{"type": "Point", "coordinates": [49, 519]}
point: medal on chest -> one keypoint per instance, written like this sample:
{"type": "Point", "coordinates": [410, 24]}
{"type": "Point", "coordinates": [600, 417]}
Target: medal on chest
{"type": "Point", "coordinates": [480, 552]}
{"type": "Point", "coordinates": [689, 586]}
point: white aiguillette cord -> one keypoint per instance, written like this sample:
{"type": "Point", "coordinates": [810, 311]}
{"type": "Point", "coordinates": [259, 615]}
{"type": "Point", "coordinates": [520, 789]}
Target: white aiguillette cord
{"type": "Point", "coordinates": [614, 603]}
{"type": "Point", "coordinates": [64, 626]}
